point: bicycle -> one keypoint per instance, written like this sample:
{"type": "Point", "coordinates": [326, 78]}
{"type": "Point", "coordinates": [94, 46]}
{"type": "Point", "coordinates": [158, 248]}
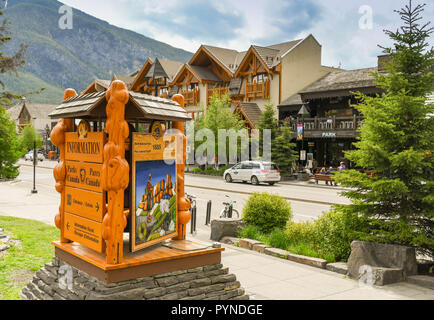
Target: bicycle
{"type": "Point", "coordinates": [229, 211]}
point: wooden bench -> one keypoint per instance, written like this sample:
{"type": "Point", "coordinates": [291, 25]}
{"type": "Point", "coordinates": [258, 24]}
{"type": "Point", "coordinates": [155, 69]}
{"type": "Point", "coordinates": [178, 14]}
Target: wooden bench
{"type": "Point", "coordinates": [324, 177]}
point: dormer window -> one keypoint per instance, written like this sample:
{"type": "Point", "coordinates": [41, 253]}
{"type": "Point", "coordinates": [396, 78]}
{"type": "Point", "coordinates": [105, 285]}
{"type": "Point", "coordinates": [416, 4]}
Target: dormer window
{"type": "Point", "coordinates": [164, 90]}
{"type": "Point", "coordinates": [259, 78]}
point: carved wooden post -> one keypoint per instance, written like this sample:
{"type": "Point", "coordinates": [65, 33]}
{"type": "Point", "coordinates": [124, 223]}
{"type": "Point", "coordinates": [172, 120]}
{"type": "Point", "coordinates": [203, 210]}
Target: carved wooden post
{"type": "Point", "coordinates": [115, 177]}
{"type": "Point", "coordinates": [183, 203]}
{"type": "Point", "coordinates": [57, 137]}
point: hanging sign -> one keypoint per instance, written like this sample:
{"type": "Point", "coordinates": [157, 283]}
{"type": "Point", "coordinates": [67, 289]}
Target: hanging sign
{"type": "Point", "coordinates": [299, 132]}
{"type": "Point", "coordinates": [154, 206]}
{"type": "Point", "coordinates": [329, 135]}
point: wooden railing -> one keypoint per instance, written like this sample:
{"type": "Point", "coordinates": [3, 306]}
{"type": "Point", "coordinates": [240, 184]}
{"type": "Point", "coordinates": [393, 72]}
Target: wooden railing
{"type": "Point", "coordinates": [325, 124]}
{"type": "Point", "coordinates": [164, 95]}
{"type": "Point", "coordinates": [256, 90]}
{"type": "Point", "coordinates": [191, 97]}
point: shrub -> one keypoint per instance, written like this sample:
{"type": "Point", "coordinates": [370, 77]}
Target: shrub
{"type": "Point", "coordinates": [267, 211]}
{"type": "Point", "coordinates": [278, 239]}
{"type": "Point", "coordinates": [330, 235]}
{"type": "Point", "coordinates": [250, 232]}
{"type": "Point", "coordinates": [299, 232]}
{"type": "Point", "coordinates": [334, 231]}
{"type": "Point", "coordinates": [197, 170]}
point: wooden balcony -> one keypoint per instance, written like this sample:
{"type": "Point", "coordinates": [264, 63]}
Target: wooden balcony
{"type": "Point", "coordinates": [219, 91]}
{"type": "Point", "coordinates": [164, 95]}
{"type": "Point", "coordinates": [191, 97]}
{"type": "Point", "coordinates": [327, 127]}
{"type": "Point", "coordinates": [256, 90]}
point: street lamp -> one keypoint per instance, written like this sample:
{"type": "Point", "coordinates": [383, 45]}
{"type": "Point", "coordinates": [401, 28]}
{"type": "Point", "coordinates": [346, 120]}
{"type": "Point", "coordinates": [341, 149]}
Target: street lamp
{"type": "Point", "coordinates": [156, 73]}
{"type": "Point", "coordinates": [303, 112]}
{"type": "Point", "coordinates": [35, 159]}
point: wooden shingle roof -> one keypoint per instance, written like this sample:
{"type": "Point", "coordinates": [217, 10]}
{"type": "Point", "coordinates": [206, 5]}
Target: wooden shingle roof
{"type": "Point", "coordinates": [147, 105]}
{"type": "Point", "coordinates": [251, 111]}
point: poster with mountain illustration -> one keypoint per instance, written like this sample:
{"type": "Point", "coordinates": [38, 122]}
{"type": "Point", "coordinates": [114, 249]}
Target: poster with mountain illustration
{"type": "Point", "coordinates": [155, 201]}
{"type": "Point", "coordinates": [154, 204]}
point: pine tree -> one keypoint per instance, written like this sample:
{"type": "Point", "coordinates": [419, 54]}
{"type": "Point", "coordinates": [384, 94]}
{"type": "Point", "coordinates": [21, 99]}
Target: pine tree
{"type": "Point", "coordinates": [267, 121]}
{"type": "Point", "coordinates": [10, 146]}
{"type": "Point", "coordinates": [9, 63]}
{"type": "Point", "coordinates": [283, 151]}
{"type": "Point", "coordinates": [396, 196]}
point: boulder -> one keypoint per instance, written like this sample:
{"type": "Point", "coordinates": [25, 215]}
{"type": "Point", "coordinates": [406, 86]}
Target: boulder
{"type": "Point", "coordinates": [391, 263]}
{"type": "Point", "coordinates": [225, 228]}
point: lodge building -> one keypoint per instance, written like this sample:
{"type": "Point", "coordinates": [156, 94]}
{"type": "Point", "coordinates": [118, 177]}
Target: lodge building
{"type": "Point", "coordinates": [287, 75]}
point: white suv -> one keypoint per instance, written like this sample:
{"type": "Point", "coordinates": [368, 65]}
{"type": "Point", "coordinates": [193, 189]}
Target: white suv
{"type": "Point", "coordinates": [253, 171]}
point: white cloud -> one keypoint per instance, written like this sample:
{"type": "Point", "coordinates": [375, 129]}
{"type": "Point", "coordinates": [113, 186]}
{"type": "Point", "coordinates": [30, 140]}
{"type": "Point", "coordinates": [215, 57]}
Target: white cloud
{"type": "Point", "coordinates": [335, 23]}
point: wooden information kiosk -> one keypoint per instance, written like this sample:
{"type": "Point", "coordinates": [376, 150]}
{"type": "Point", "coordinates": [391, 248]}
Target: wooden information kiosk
{"type": "Point", "coordinates": [123, 211]}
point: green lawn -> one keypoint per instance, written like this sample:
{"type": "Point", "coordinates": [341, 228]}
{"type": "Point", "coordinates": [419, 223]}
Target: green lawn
{"type": "Point", "coordinates": [21, 261]}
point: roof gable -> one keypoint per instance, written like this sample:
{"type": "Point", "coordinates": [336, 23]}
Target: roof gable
{"type": "Point", "coordinates": [225, 58]}
{"type": "Point", "coordinates": [140, 77]}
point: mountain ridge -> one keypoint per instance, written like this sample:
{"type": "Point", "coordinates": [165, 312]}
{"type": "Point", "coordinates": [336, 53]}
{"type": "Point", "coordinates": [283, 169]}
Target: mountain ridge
{"type": "Point", "coordinates": [74, 58]}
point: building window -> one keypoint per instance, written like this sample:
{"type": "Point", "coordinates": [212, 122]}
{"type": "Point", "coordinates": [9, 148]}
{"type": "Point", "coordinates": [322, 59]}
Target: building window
{"type": "Point", "coordinates": [259, 78]}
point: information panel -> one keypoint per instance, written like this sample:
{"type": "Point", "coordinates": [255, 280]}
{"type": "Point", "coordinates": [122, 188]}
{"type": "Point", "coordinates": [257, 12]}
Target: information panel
{"type": "Point", "coordinates": [84, 231]}
{"type": "Point", "coordinates": [88, 148]}
{"type": "Point", "coordinates": [84, 175]}
{"type": "Point", "coordinates": [154, 205]}
{"type": "Point", "coordinates": [85, 200]}
{"type": "Point", "coordinates": [86, 204]}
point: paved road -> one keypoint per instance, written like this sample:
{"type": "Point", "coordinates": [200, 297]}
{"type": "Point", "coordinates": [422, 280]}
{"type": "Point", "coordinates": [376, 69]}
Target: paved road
{"type": "Point", "coordinates": [44, 205]}
{"type": "Point", "coordinates": [262, 276]}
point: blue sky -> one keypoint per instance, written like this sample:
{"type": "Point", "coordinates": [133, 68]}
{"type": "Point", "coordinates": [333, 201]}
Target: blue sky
{"type": "Point", "coordinates": [237, 24]}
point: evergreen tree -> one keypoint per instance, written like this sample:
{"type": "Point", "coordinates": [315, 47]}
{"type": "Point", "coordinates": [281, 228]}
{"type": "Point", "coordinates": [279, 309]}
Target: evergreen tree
{"type": "Point", "coordinates": [283, 151]}
{"type": "Point", "coordinates": [9, 63]}
{"type": "Point", "coordinates": [10, 146]}
{"type": "Point", "coordinates": [268, 121]}
{"type": "Point", "coordinates": [396, 197]}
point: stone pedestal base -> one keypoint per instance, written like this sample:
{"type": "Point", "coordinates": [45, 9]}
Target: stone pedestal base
{"type": "Point", "coordinates": [60, 281]}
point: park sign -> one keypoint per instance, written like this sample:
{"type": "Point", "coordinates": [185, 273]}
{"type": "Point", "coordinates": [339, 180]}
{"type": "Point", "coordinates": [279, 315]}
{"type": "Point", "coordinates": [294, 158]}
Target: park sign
{"type": "Point", "coordinates": [110, 175]}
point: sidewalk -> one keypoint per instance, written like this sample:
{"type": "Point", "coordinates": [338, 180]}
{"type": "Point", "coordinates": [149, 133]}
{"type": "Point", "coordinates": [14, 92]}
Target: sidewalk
{"type": "Point", "coordinates": [262, 276]}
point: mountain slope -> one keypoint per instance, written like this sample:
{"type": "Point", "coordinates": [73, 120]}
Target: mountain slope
{"type": "Point", "coordinates": [73, 58]}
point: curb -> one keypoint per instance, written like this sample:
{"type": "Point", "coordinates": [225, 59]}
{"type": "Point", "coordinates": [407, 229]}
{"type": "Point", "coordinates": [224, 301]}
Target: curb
{"type": "Point", "coordinates": [263, 248]}
{"type": "Point", "coordinates": [336, 267]}
{"type": "Point", "coordinates": [289, 183]}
